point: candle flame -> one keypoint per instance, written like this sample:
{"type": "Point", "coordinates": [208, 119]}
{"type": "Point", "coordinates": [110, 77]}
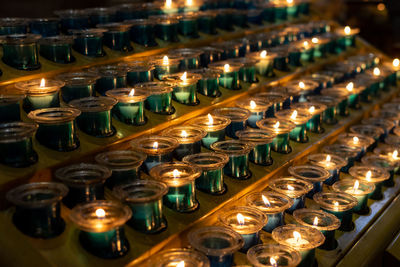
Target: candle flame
{"type": "Point", "coordinates": [253, 104]}
{"type": "Point", "coordinates": [356, 185]}
{"type": "Point", "coordinates": [305, 44]}
{"type": "Point", "coordinates": [168, 3]}
{"type": "Point", "coordinates": [165, 60]}
{"type": "Point", "coordinates": [311, 109]}
{"type": "Point", "coordinates": [395, 154]}
{"type": "Point", "coordinates": [273, 262]}
{"type": "Point", "coordinates": [315, 40]}
{"type": "Point", "coordinates": [297, 236]}
{"type": "Point", "coordinates": [132, 92]}
{"type": "Point", "coordinates": [276, 125]}
{"type": "Point", "coordinates": [315, 223]}
{"type": "Point", "coordinates": [302, 85]}
{"type": "Point", "coordinates": [263, 54]}
{"type": "Point", "coordinates": [294, 115]}
{"type": "Point", "coordinates": [347, 30]}
{"type": "Point", "coordinates": [42, 82]}
{"type": "Point", "coordinates": [210, 119]}
{"type": "Point", "coordinates": [328, 158]}
{"type": "Point", "coordinates": [368, 176]}
{"type": "Point", "coordinates": [181, 264]}
{"type": "Point", "coordinates": [240, 218]}
{"type": "Point", "coordinates": [377, 71]}
{"type": "Point", "coordinates": [155, 145]}
{"type": "Point", "coordinates": [176, 173]}
{"type": "Point", "coordinates": [184, 134]}
{"type": "Point", "coordinates": [184, 76]}
{"type": "Point", "coordinates": [336, 204]}
{"type": "Point", "coordinates": [350, 86]}
{"type": "Point", "coordinates": [396, 62]}
{"type": "Point", "coordinates": [289, 1]}
{"type": "Point", "coordinates": [266, 201]}
{"type": "Point", "coordinates": [289, 187]}
{"type": "Point", "coordinates": [100, 213]}
{"type": "Point", "coordinates": [189, 2]}
{"type": "Point", "coordinates": [227, 68]}
{"type": "Point", "coordinates": [355, 140]}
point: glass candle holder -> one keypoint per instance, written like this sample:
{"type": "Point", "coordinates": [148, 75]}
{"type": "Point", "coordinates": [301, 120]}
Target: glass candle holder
{"type": "Point", "coordinates": [246, 221]}
{"type": "Point", "coordinates": [294, 188]}
{"type": "Point", "coordinates": [215, 127]}
{"type": "Point", "coordinates": [187, 257]}
{"type": "Point", "coordinates": [111, 77]}
{"type": "Point", "coordinates": [85, 182]}
{"type": "Point", "coordinates": [354, 90]}
{"type": "Point", "coordinates": [89, 42]}
{"type": "Point", "coordinates": [390, 153]}
{"type": "Point", "coordinates": [231, 49]}
{"type": "Point", "coordinates": [208, 84]}
{"type": "Point", "coordinates": [218, 243]}
{"type": "Point", "coordinates": [275, 98]}
{"type": "Point", "coordinates": [45, 26]}
{"type": "Point", "coordinates": [273, 205]}
{"type": "Point", "coordinates": [130, 106]}
{"type": "Point", "coordinates": [303, 87]}
{"type": "Point", "coordinates": [330, 162]}
{"type": "Point", "coordinates": [389, 164]}
{"type": "Point", "coordinates": [95, 118]}
{"type": "Point", "coordinates": [124, 164]}
{"type": "Point", "coordinates": [101, 15]}
{"type": "Point", "coordinates": [323, 80]}
{"type": "Point", "coordinates": [210, 55]}
{"type": "Point", "coordinates": [73, 19]}
{"type": "Point", "coordinates": [159, 99]}
{"type": "Point", "coordinates": [166, 27]}
{"type": "Point", "coordinates": [57, 129]}
{"type": "Point", "coordinates": [180, 178]}
{"type": "Point", "coordinates": [144, 198]}
{"type": "Point", "coordinates": [77, 85]}
{"type": "Point", "coordinates": [13, 26]}
{"type": "Point", "coordinates": [189, 57]}
{"type": "Point", "coordinates": [329, 115]}
{"type": "Point", "coordinates": [315, 110]}
{"type": "Point", "coordinates": [224, 19]}
{"type": "Point", "coordinates": [301, 238]}
{"type": "Point", "coordinates": [257, 107]}
{"type": "Point", "coordinates": [57, 49]}
{"type": "Point", "coordinates": [206, 22]}
{"type": "Point", "coordinates": [361, 142]}
{"type": "Point", "coordinates": [273, 254]}
{"type": "Point", "coordinates": [237, 116]}
{"type": "Point", "coordinates": [185, 87]}
{"type": "Point", "coordinates": [371, 131]}
{"type": "Point", "coordinates": [265, 64]}
{"type": "Point", "coordinates": [37, 212]}
{"type": "Point", "coordinates": [188, 25]}
{"type": "Point", "coordinates": [20, 51]}
{"type": "Point", "coordinates": [348, 153]}
{"type": "Point", "coordinates": [230, 76]}
{"type": "Point", "coordinates": [247, 73]}
{"type": "Point", "coordinates": [142, 32]}
{"type": "Point", "coordinates": [282, 129]}
{"type": "Point", "coordinates": [392, 140]}
{"type": "Point", "coordinates": [238, 153]}
{"type": "Point", "coordinates": [299, 117]}
{"type": "Point", "coordinates": [261, 142]}
{"type": "Point", "coordinates": [116, 36]}
{"type": "Point", "coordinates": [306, 49]}
{"type": "Point", "coordinates": [157, 148]}
{"type": "Point", "coordinates": [324, 222]}
{"type": "Point", "coordinates": [371, 174]}
{"type": "Point", "coordinates": [339, 94]}
{"type": "Point", "coordinates": [189, 138]}
{"type": "Point", "coordinates": [165, 65]}
{"type": "Point", "coordinates": [40, 93]}
{"type": "Point", "coordinates": [138, 72]}
{"type": "Point", "coordinates": [10, 108]}
{"type": "Point", "coordinates": [392, 115]}
{"type": "Point", "coordinates": [358, 189]}
{"type": "Point", "coordinates": [16, 148]}
{"type": "Point", "coordinates": [102, 228]}
{"type": "Point", "coordinates": [347, 36]}
{"type": "Point", "coordinates": [339, 204]}
{"type": "Point", "coordinates": [314, 174]}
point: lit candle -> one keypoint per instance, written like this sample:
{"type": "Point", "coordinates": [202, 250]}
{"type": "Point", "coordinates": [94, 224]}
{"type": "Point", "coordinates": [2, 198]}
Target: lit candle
{"type": "Point", "coordinates": [348, 37]}
{"type": "Point", "coordinates": [278, 255]}
{"type": "Point", "coordinates": [185, 87]}
{"type": "Point", "coordinates": [282, 129]}
{"type": "Point", "coordinates": [314, 174]}
{"type": "Point", "coordinates": [371, 174]}
{"type": "Point", "coordinates": [330, 162]}
{"type": "Point", "coordinates": [300, 118]}
{"type": "Point", "coordinates": [181, 257]}
{"type": "Point", "coordinates": [265, 63]}
{"type": "Point", "coordinates": [164, 65]}
{"type": "Point", "coordinates": [258, 108]}
{"type": "Point", "coordinates": [230, 76]}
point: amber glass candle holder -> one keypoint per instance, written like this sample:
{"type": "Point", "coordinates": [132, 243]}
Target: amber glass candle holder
{"type": "Point", "coordinates": [273, 254]}
{"type": "Point", "coordinates": [314, 174]}
{"type": "Point", "coordinates": [300, 118]}
{"type": "Point", "coordinates": [77, 85]}
{"type": "Point", "coordinates": [173, 257]}
{"type": "Point", "coordinates": [371, 174]}
{"type": "Point", "coordinates": [237, 116]}
{"type": "Point", "coordinates": [10, 108]}
{"type": "Point", "coordinates": [349, 153]}
{"type": "Point", "coordinates": [330, 162]}
{"type": "Point", "coordinates": [282, 129]}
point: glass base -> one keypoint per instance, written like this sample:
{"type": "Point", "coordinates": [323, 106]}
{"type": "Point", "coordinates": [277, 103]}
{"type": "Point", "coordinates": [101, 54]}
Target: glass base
{"type": "Point", "coordinates": [23, 223]}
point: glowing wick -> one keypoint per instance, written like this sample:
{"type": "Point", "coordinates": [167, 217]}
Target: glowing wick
{"type": "Point", "coordinates": [347, 30]}
{"type": "Point", "coordinates": [302, 85]}
{"type": "Point", "coordinates": [210, 119]}
{"type": "Point", "coordinates": [168, 3]}
{"type": "Point", "coordinates": [396, 62]}
{"type": "Point", "coordinates": [273, 262]}
{"type": "Point", "coordinates": [368, 176]}
{"type": "Point", "coordinates": [266, 201]}
{"type": "Point", "coordinates": [263, 54]}
{"type": "Point", "coordinates": [181, 264]}
{"type": "Point", "coordinates": [132, 92]}
{"type": "Point", "coordinates": [355, 140]}
{"type": "Point", "coordinates": [42, 82]}
{"type": "Point", "coordinates": [165, 61]}
{"type": "Point", "coordinates": [294, 115]}
{"type": "Point", "coordinates": [315, 40]}
{"type": "Point", "coordinates": [240, 218]}
{"type": "Point", "coordinates": [227, 68]}
{"type": "Point", "coordinates": [377, 71]}
{"type": "Point", "coordinates": [315, 223]}
{"type": "Point", "coordinates": [297, 236]}
{"type": "Point", "coordinates": [276, 125]}
{"type": "Point", "coordinates": [176, 173]}
{"type": "Point", "coordinates": [155, 145]}
{"type": "Point", "coordinates": [100, 213]}
{"type": "Point", "coordinates": [253, 104]}
{"type": "Point", "coordinates": [311, 109]}
{"type": "Point", "coordinates": [291, 188]}
{"type": "Point", "coordinates": [350, 86]}
{"type": "Point", "coordinates": [184, 134]}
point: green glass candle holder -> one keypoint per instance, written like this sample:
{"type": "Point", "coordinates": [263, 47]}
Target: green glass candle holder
{"type": "Point", "coordinates": [46, 27]}
{"type": "Point", "coordinates": [142, 32]}
{"type": "Point", "coordinates": [20, 51]}
{"type": "Point", "coordinates": [324, 81]}
{"type": "Point", "coordinates": [16, 144]}
{"type": "Point", "coordinates": [117, 36]}
{"type": "Point", "coordinates": [130, 106]}
{"type": "Point", "coordinates": [314, 174]}
{"type": "Point", "coordinates": [224, 19]}
{"type": "Point", "coordinates": [57, 49]}
{"type": "Point", "coordinates": [261, 142]}
{"type": "Point", "coordinates": [102, 228]}
{"type": "Point", "coordinates": [238, 152]}
{"type": "Point", "coordinates": [180, 178]}
{"type": "Point", "coordinates": [101, 15]}
{"type": "Point", "coordinates": [111, 77]}
{"type": "Point", "coordinates": [208, 84]}
{"type": "Point", "coordinates": [231, 49]}
{"type": "Point", "coordinates": [95, 118]}
{"type": "Point", "coordinates": [38, 209]}
{"type": "Point", "coordinates": [166, 27]}
{"type": "Point", "coordinates": [89, 42]}
{"type": "Point", "coordinates": [57, 129]}
{"type": "Point", "coordinates": [315, 110]}
{"type": "Point", "coordinates": [177, 255]}
{"type": "Point", "coordinates": [40, 93]}
{"type": "Point", "coordinates": [349, 153]}
{"type": "Point", "coordinates": [207, 22]}
{"type": "Point", "coordinates": [188, 25]}
{"type": "Point", "coordinates": [347, 37]}
{"type": "Point", "coordinates": [85, 182]}
{"type": "Point", "coordinates": [189, 58]}
{"type": "Point", "coordinates": [230, 76]}
{"type": "Point", "coordinates": [329, 115]}
{"type": "Point", "coordinates": [165, 65]}
{"type": "Point", "coordinates": [73, 19]}
{"type": "Point", "coordinates": [10, 108]}
{"type": "Point", "coordinates": [210, 55]}
{"type": "Point", "coordinates": [247, 73]}
{"type": "Point", "coordinates": [329, 162]}
{"type": "Point", "coordinates": [185, 87]}
{"type": "Point", "coordinates": [276, 99]}
{"type": "Point", "coordinates": [265, 62]}
{"type": "Point", "coordinates": [257, 107]}
{"type": "Point", "coordinates": [281, 128]}
{"type": "Point", "coordinates": [371, 174]}
{"type": "Point", "coordinates": [340, 94]}
{"type": "Point", "coordinates": [389, 152]}
{"type": "Point", "coordinates": [159, 99]}
{"type": "Point", "coordinates": [13, 26]}
{"type": "Point", "coordinates": [138, 72]}
{"type": "Point", "coordinates": [237, 116]}
{"type": "Point", "coordinates": [273, 253]}
{"type": "Point", "coordinates": [77, 85]}
{"type": "Point", "coordinates": [301, 89]}
{"type": "Point", "coordinates": [299, 117]}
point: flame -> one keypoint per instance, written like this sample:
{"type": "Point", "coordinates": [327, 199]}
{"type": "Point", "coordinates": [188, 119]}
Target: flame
{"type": "Point", "coordinates": [132, 92]}
{"type": "Point", "coordinates": [311, 109]}
{"type": "Point", "coordinates": [168, 3]}
{"type": "Point", "coordinates": [176, 173]}
{"type": "Point", "coordinates": [100, 213]}
{"type": "Point", "coordinates": [184, 134]}
{"type": "Point", "coordinates": [336, 204]}
{"type": "Point", "coordinates": [356, 185]}
{"type": "Point", "coordinates": [253, 104]}
{"type": "Point", "coordinates": [368, 175]}
{"type": "Point", "coordinates": [328, 158]}
{"type": "Point", "coordinates": [181, 264]}
{"type": "Point", "coordinates": [189, 2]}
{"type": "Point", "coordinates": [276, 125]}
{"type": "Point", "coordinates": [347, 30]}
{"type": "Point", "coordinates": [315, 40]}
{"type": "Point", "coordinates": [240, 218]}
{"type": "Point", "coordinates": [42, 82]}
{"type": "Point", "coordinates": [297, 236]}
{"type": "Point", "coordinates": [395, 154]}
{"type": "Point", "coordinates": [263, 54]}
{"type": "Point", "coordinates": [289, 1]}
{"type": "Point", "coordinates": [184, 76]}
{"type": "Point", "coordinates": [302, 85]}
{"type": "Point", "coordinates": [355, 140]}
{"type": "Point", "coordinates": [266, 201]}
{"type": "Point", "coordinates": [273, 262]}
{"type": "Point", "coordinates": [165, 60]}
{"type": "Point", "coordinates": [227, 68]}
{"type": "Point", "coordinates": [294, 115]}
{"type": "Point", "coordinates": [396, 62]}
{"type": "Point", "coordinates": [155, 145]}
{"type": "Point", "coordinates": [315, 223]}
{"type": "Point", "coordinates": [291, 188]}
{"type": "Point", "coordinates": [350, 86]}
{"type": "Point", "coordinates": [377, 71]}
{"type": "Point", "coordinates": [210, 119]}
{"type": "Point", "coordinates": [305, 44]}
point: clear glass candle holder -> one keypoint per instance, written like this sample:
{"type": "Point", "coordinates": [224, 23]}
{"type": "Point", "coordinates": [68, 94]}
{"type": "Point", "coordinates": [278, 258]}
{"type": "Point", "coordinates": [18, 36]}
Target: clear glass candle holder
{"type": "Point", "coordinates": [145, 199]}
{"type": "Point", "coordinates": [173, 257]}
{"type": "Point", "coordinates": [12, 25]}
{"type": "Point", "coordinates": [354, 90]}
{"type": "Point", "coordinates": [315, 110]}
{"type": "Point", "coordinates": [45, 26]}
{"type": "Point", "coordinates": [247, 73]}
{"type": "Point", "coordinates": [130, 106]}
{"type": "Point", "coordinates": [101, 225]}
{"type": "Point", "coordinates": [392, 140]}
{"type": "Point", "coordinates": [389, 152]}
{"type": "Point", "coordinates": [323, 80]}
{"type": "Point", "coordinates": [180, 178]}
{"type": "Point", "coordinates": [124, 164]}
{"type": "Point", "coordinates": [324, 222]}
{"type": "Point", "coordinates": [246, 221]}
{"type": "Point", "coordinates": [329, 115]}
{"type": "Point", "coordinates": [210, 55]}
{"type": "Point", "coordinates": [294, 188]}
{"type": "Point", "coordinates": [371, 174]}
{"type": "Point", "coordinates": [57, 128]}
{"type": "Point", "coordinates": [85, 182]}
{"type": "Point", "coordinates": [238, 152]}
{"type": "Point", "coordinates": [159, 149]}
{"type": "Point", "coordinates": [301, 238]}
{"type": "Point", "coordinates": [275, 98]}
{"type": "Point", "coordinates": [273, 205]}
{"type": "Point", "coordinates": [282, 130]}
{"type": "Point", "coordinates": [347, 36]}
{"type": "Point", "coordinates": [38, 210]}
{"type": "Point", "coordinates": [165, 65]}
{"type": "Point", "coordinates": [208, 84]}
{"type": "Point", "coordinates": [265, 62]}
{"type": "Point", "coordinates": [304, 87]}
{"type": "Point", "coordinates": [190, 57]}
{"type": "Point", "coordinates": [116, 36]}
{"type": "Point", "coordinates": [388, 114]}
{"type": "Point", "coordinates": [330, 162]}
{"type": "Point", "coordinates": [20, 51]}
{"type": "Point", "coordinates": [230, 74]}
{"type": "Point", "coordinates": [237, 116]}
{"type": "Point", "coordinates": [362, 142]}
{"type": "Point", "coordinates": [314, 174]}
{"type": "Point", "coordinates": [342, 106]}
{"type": "Point", "coordinates": [371, 131]}
{"type": "Point", "coordinates": [166, 27]}
{"type": "Point", "coordinates": [159, 98]}
{"type": "Point", "coordinates": [89, 42]}
{"type": "Point", "coordinates": [273, 254]}
{"type": "Point", "coordinates": [299, 117]}
{"type": "Point", "coordinates": [257, 106]}
{"type": "Point", "coordinates": [73, 19]}
{"type": "Point", "coordinates": [10, 108]}
{"type": "Point", "coordinates": [185, 87]}
{"type": "Point", "coordinates": [139, 71]}
{"type": "Point", "coordinates": [95, 118]}
{"type": "Point", "coordinates": [391, 165]}
{"type": "Point", "coordinates": [142, 32]}
{"type": "Point", "coordinates": [111, 77]}
{"type": "Point", "coordinates": [349, 153]}
{"type": "Point", "coordinates": [215, 126]}
{"type": "Point", "coordinates": [77, 85]}
{"type": "Point", "coordinates": [261, 142]}
{"type": "Point", "coordinates": [218, 243]}
{"type": "Point", "coordinates": [358, 189]}
{"type": "Point", "coordinates": [57, 48]}
{"type": "Point", "coordinates": [189, 138]}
